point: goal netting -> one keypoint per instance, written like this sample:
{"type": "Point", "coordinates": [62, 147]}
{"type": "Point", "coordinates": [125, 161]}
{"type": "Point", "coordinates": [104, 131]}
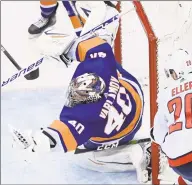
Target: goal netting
{"type": "Point", "coordinates": [148, 33]}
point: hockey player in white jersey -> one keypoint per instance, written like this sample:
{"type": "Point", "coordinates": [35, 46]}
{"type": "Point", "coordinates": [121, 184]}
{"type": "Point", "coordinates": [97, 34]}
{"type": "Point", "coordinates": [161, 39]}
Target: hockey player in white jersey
{"type": "Point", "coordinates": [173, 121]}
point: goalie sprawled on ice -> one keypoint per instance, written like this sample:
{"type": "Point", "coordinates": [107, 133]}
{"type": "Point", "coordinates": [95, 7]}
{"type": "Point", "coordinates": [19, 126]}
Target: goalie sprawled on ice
{"type": "Point", "coordinates": [104, 106]}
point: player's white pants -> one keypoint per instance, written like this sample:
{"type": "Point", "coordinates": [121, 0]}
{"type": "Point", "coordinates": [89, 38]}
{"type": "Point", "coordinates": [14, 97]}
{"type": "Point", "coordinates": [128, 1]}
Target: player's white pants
{"type": "Point", "coordinates": [124, 158]}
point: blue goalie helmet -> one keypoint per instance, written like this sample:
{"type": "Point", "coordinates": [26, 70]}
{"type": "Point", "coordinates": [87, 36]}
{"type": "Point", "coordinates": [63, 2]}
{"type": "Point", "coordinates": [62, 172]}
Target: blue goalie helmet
{"type": "Point", "coordinates": [87, 88]}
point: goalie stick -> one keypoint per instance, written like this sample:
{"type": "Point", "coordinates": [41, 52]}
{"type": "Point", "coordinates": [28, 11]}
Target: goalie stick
{"type": "Point", "coordinates": [30, 76]}
{"type": "Point", "coordinates": [132, 142]}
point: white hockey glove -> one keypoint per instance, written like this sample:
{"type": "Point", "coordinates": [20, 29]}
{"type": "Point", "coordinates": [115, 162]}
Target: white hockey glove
{"type": "Point", "coordinates": [144, 170]}
{"type": "Point", "coordinates": [38, 141]}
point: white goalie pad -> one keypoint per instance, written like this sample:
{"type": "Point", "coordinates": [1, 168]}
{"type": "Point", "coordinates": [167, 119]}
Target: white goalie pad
{"type": "Point", "coordinates": [54, 41]}
{"type": "Point", "coordinates": [120, 159]}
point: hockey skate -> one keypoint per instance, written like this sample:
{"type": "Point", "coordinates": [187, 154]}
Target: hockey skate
{"type": "Point", "coordinates": [38, 27]}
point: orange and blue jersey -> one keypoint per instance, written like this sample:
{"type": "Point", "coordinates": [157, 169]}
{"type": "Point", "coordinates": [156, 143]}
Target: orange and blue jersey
{"type": "Point", "coordinates": [116, 117]}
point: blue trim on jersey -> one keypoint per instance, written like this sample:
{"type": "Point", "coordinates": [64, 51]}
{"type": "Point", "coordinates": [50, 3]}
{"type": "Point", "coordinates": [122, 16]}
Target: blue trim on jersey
{"type": "Point", "coordinates": [78, 33]}
{"type": "Point", "coordinates": [87, 12]}
{"type": "Point", "coordinates": [68, 8]}
{"type": "Point", "coordinates": [184, 171]}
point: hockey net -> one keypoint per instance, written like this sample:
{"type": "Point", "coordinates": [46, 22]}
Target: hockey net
{"type": "Point", "coordinates": [147, 35]}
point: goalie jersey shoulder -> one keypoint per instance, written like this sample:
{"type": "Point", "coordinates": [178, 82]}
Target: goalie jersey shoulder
{"type": "Point", "coordinates": [94, 47]}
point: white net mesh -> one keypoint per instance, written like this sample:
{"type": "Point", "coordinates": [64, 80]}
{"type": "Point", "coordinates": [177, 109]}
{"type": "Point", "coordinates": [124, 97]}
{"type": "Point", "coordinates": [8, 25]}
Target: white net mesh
{"type": "Point", "coordinates": [172, 24]}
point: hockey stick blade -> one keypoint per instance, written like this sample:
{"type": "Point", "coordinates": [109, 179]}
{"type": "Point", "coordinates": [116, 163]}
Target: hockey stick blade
{"type": "Point", "coordinates": [27, 71]}
{"type": "Point", "coordinates": [30, 76]}
{"type": "Point", "coordinates": [107, 147]}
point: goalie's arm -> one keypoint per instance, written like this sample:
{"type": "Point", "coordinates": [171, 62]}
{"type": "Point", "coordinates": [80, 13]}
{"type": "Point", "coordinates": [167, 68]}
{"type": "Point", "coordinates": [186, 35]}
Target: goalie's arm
{"type": "Point", "coordinates": [56, 137]}
{"type": "Point", "coordinates": [67, 136]}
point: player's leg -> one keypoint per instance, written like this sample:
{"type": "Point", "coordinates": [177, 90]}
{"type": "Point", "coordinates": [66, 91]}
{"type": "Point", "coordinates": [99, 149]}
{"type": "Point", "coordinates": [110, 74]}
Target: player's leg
{"type": "Point", "coordinates": [120, 159]}
{"type": "Point", "coordinates": [76, 21]}
{"type": "Point", "coordinates": [185, 172]}
{"type": "Point", "coordinates": [133, 157]}
{"type": "Point", "coordinates": [48, 11]}
{"type": "Point", "coordinates": [108, 34]}
{"type": "Point", "coordinates": [110, 31]}
{"type": "Point", "coordinates": [112, 160]}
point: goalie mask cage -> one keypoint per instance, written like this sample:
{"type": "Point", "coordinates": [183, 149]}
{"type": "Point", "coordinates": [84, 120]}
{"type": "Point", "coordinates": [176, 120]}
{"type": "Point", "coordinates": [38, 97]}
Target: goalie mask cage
{"type": "Point", "coordinates": [148, 32]}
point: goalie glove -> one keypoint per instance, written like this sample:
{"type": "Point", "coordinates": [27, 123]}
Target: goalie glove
{"type": "Point", "coordinates": [62, 58]}
{"type": "Point", "coordinates": [67, 61]}
{"type": "Point", "coordinates": [39, 141]}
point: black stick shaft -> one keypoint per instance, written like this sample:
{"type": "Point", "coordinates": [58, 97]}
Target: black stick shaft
{"type": "Point", "coordinates": [132, 142]}
{"type": "Point", "coordinates": [10, 58]}
{"type": "Point", "coordinates": [30, 76]}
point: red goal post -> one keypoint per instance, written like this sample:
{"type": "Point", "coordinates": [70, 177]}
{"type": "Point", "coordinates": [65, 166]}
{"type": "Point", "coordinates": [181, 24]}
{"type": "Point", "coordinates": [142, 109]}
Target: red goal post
{"type": "Point", "coordinates": [153, 75]}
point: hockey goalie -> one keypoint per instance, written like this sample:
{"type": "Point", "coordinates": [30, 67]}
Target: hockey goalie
{"type": "Point", "coordinates": [173, 121]}
{"type": "Point", "coordinates": [104, 106]}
